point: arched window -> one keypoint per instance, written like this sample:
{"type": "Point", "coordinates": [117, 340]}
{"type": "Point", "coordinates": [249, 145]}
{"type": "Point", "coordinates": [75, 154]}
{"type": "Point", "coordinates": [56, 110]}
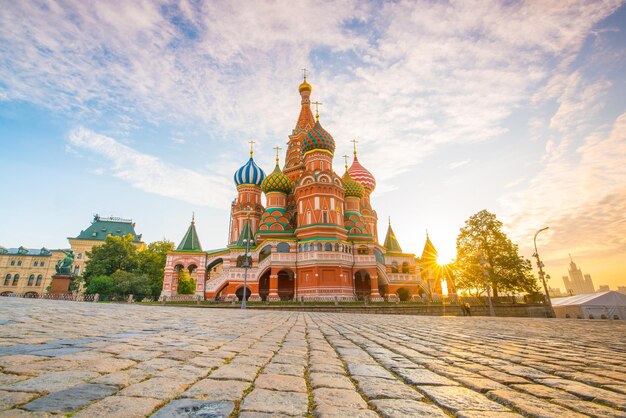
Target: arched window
{"type": "Point", "coordinates": [328, 247]}
{"type": "Point", "coordinates": [282, 247]}
{"type": "Point", "coordinates": [31, 280]}
{"type": "Point", "coordinates": [242, 259]}
{"type": "Point", "coordinates": [178, 267]}
{"type": "Point", "coordinates": [336, 247]}
{"type": "Point", "coordinates": [319, 246]}
{"type": "Point", "coordinates": [299, 248]}
{"type": "Point", "coordinates": [19, 262]}
{"type": "Point", "coordinates": [325, 217]}
{"type": "Point", "coordinates": [380, 258]}
{"type": "Point", "coordinates": [362, 250]}
{"type": "Point", "coordinates": [12, 262]}
{"type": "Point", "coordinates": [405, 267]}
{"type": "Point", "coordinates": [38, 282]}
{"type": "Point", "coordinates": [394, 267]}
{"type": "Point", "coordinates": [192, 268]}
{"type": "Point", "coordinates": [308, 216]}
{"type": "Point", "coordinates": [7, 280]}
{"type": "Point", "coordinates": [306, 247]}
{"type": "Point", "coordinates": [16, 279]}
{"type": "Point", "coordinates": [41, 264]}
{"type": "Point", "coordinates": [265, 252]}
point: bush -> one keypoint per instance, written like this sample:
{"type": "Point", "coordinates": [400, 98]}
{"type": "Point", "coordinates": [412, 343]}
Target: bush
{"type": "Point", "coordinates": [103, 285]}
{"type": "Point", "coordinates": [186, 285]}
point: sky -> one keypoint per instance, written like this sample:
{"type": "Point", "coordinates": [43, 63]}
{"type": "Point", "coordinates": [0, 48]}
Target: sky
{"type": "Point", "coordinates": [144, 110]}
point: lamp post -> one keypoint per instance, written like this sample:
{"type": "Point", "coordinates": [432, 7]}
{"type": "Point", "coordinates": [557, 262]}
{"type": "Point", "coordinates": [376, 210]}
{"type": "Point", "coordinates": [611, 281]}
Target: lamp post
{"type": "Point", "coordinates": [542, 275]}
{"type": "Point", "coordinates": [246, 264]}
{"type": "Point", "coordinates": [484, 265]}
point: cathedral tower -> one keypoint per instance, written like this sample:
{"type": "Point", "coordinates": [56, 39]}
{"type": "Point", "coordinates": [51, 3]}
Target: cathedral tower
{"type": "Point", "coordinates": [247, 209]}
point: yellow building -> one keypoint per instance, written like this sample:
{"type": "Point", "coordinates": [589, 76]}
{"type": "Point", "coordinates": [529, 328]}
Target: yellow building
{"type": "Point", "coordinates": [26, 271]}
{"type": "Point", "coordinates": [96, 234]}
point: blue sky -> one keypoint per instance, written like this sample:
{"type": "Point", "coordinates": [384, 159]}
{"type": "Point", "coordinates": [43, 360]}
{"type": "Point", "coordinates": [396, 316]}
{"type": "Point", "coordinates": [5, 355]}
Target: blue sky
{"type": "Point", "coordinates": [144, 110]}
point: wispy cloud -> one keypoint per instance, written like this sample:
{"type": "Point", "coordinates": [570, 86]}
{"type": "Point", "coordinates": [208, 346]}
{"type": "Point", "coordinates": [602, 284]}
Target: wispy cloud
{"type": "Point", "coordinates": [457, 164]}
{"type": "Point", "coordinates": [151, 174]}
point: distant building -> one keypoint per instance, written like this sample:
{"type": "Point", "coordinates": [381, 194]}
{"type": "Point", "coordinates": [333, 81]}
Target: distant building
{"type": "Point", "coordinates": [603, 288]}
{"type": "Point", "coordinates": [577, 284]}
{"type": "Point", "coordinates": [96, 234]}
{"type": "Point", "coordinates": [555, 292]}
{"type": "Point", "coordinates": [621, 289]}
{"type": "Point", "coordinates": [27, 271]}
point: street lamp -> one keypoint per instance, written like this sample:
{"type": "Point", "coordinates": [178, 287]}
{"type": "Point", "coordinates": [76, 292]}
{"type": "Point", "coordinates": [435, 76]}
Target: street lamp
{"type": "Point", "coordinates": [484, 265]}
{"type": "Point", "coordinates": [541, 274]}
{"type": "Point", "coordinates": [246, 264]}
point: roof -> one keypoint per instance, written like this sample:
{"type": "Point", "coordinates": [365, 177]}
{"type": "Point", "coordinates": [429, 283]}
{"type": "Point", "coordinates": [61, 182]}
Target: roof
{"type": "Point", "coordinates": [429, 252]}
{"type": "Point", "coordinates": [190, 241]}
{"type": "Point", "coordinates": [391, 242]}
{"type": "Point", "coordinates": [610, 298]}
{"type": "Point", "coordinates": [26, 251]}
{"type": "Point", "coordinates": [100, 228]}
{"type": "Point", "coordinates": [246, 233]}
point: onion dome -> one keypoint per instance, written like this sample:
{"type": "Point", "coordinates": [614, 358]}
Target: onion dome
{"type": "Point", "coordinates": [318, 138]}
{"type": "Point", "coordinates": [362, 175]}
{"type": "Point", "coordinates": [304, 86]}
{"type": "Point", "coordinates": [276, 182]}
{"type": "Point", "coordinates": [250, 173]}
{"type": "Point", "coordinates": [351, 188]}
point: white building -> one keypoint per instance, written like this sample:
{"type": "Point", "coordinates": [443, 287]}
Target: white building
{"type": "Point", "coordinates": [601, 305]}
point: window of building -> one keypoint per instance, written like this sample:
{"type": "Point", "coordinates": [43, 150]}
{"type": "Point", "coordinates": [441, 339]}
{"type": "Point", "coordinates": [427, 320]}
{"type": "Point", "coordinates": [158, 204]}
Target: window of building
{"type": "Point", "coordinates": [35, 264]}
{"type": "Point", "coordinates": [328, 247]}
{"type": "Point", "coordinates": [405, 267]}
{"type": "Point", "coordinates": [300, 207]}
{"type": "Point", "coordinates": [12, 262]}
{"type": "Point", "coordinates": [336, 247]}
{"type": "Point", "coordinates": [16, 279]}
{"type": "Point", "coordinates": [79, 256]}
{"type": "Point", "coordinates": [317, 203]}
{"type": "Point", "coordinates": [41, 264]}
{"type": "Point", "coordinates": [300, 248]}
{"type": "Point", "coordinates": [394, 267]}
{"type": "Point", "coordinates": [7, 280]}
{"type": "Point", "coordinates": [19, 263]}
{"type": "Point", "coordinates": [332, 203]}
{"type": "Point", "coordinates": [319, 246]}
{"type": "Point", "coordinates": [308, 217]}
{"type": "Point", "coordinates": [282, 247]}
{"type": "Point", "coordinates": [76, 268]}
{"type": "Point", "coordinates": [362, 250]}
{"type": "Point", "coordinates": [325, 217]}
{"type": "Point", "coordinates": [39, 279]}
{"type": "Point", "coordinates": [31, 280]}
{"type": "Point", "coordinates": [306, 247]}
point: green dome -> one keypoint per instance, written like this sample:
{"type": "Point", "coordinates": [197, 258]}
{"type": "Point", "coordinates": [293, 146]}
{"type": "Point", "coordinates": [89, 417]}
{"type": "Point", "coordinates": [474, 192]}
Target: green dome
{"type": "Point", "coordinates": [352, 188]}
{"type": "Point", "coordinates": [276, 182]}
{"type": "Point", "coordinates": [318, 138]}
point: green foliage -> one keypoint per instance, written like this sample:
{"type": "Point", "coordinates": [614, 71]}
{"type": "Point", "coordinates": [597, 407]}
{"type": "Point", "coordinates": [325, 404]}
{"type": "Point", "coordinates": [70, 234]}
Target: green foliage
{"type": "Point", "coordinates": [131, 284]}
{"type": "Point", "coordinates": [117, 253]}
{"type": "Point", "coordinates": [404, 294]}
{"type": "Point", "coordinates": [186, 285]}
{"type": "Point", "coordinates": [482, 239]}
{"type": "Point", "coordinates": [103, 285]}
{"type": "Point", "coordinates": [151, 263]}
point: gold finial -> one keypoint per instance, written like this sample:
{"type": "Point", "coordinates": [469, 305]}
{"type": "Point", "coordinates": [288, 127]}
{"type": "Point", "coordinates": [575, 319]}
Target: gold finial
{"type": "Point", "coordinates": [317, 113]}
{"type": "Point", "coordinates": [354, 141]}
{"type": "Point", "coordinates": [304, 71]}
{"type": "Point", "coordinates": [193, 217]}
{"type": "Point", "coordinates": [277, 148]}
{"type": "Point", "coordinates": [251, 145]}
{"type": "Point", "coordinates": [345, 157]}
{"type": "Point", "coordinates": [390, 221]}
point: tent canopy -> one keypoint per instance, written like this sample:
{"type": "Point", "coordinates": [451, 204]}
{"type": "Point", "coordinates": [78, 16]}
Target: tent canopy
{"type": "Point", "coordinates": [610, 298]}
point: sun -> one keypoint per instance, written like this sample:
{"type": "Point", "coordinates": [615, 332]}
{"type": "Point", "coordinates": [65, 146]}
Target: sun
{"type": "Point", "coordinates": [445, 259]}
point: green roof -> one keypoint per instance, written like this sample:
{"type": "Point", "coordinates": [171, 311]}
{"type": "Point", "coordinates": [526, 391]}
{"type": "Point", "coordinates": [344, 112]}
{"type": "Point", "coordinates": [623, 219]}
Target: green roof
{"type": "Point", "coordinates": [391, 242]}
{"type": "Point", "coordinates": [100, 228]}
{"type": "Point", "coordinates": [246, 233]}
{"type": "Point", "coordinates": [190, 241]}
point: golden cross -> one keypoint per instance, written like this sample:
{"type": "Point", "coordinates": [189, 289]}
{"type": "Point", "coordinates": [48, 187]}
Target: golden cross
{"type": "Point", "coordinates": [345, 157]}
{"type": "Point", "coordinates": [304, 70]}
{"type": "Point", "coordinates": [277, 148]}
{"type": "Point", "coordinates": [251, 145]}
{"type": "Point", "coordinates": [317, 113]}
{"type": "Point", "coordinates": [354, 141]}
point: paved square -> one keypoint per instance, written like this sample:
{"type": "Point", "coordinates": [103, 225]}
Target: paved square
{"type": "Point", "coordinates": [132, 361]}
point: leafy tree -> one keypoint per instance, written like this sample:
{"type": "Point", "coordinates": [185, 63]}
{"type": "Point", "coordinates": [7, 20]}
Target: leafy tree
{"type": "Point", "coordinates": [186, 285]}
{"type": "Point", "coordinates": [103, 285]}
{"type": "Point", "coordinates": [117, 253]}
{"type": "Point", "coordinates": [130, 283]}
{"type": "Point", "coordinates": [151, 263]}
{"type": "Point", "coordinates": [482, 240]}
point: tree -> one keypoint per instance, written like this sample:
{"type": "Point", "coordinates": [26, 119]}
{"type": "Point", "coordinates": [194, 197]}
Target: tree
{"type": "Point", "coordinates": [131, 284]}
{"type": "Point", "coordinates": [103, 285]}
{"type": "Point", "coordinates": [151, 263]}
{"type": "Point", "coordinates": [186, 285]}
{"type": "Point", "coordinates": [117, 253]}
{"type": "Point", "coordinates": [482, 245]}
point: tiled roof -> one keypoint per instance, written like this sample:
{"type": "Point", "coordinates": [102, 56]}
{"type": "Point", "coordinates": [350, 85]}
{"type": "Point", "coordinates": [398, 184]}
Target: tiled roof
{"type": "Point", "coordinates": [100, 228]}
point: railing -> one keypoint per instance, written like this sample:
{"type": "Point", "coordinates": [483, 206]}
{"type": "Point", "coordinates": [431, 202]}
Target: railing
{"type": "Point", "coordinates": [401, 277]}
{"type": "Point", "coordinates": [214, 284]}
{"type": "Point", "coordinates": [324, 255]}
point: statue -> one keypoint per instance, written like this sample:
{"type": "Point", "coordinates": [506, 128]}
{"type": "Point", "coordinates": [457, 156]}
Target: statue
{"type": "Point", "coordinates": [64, 266]}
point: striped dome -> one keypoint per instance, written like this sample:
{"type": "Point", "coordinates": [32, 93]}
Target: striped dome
{"type": "Point", "coordinates": [250, 173]}
{"type": "Point", "coordinates": [360, 174]}
{"type": "Point", "coordinates": [276, 182]}
{"type": "Point", "coordinates": [318, 138]}
{"type": "Point", "coordinates": [351, 188]}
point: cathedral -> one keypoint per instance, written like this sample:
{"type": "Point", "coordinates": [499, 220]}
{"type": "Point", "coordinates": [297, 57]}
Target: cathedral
{"type": "Point", "coordinates": [316, 238]}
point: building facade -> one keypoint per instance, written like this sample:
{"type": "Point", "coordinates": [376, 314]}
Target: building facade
{"type": "Point", "coordinates": [577, 283]}
{"type": "Point", "coordinates": [96, 234]}
{"type": "Point", "coordinates": [316, 238]}
{"type": "Point", "coordinates": [27, 272]}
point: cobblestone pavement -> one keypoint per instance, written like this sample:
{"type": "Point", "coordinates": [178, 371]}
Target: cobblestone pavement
{"type": "Point", "coordinates": [94, 360]}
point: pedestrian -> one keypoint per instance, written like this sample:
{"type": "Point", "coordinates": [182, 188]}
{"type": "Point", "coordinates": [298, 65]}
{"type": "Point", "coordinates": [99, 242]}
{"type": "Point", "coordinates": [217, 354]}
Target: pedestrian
{"type": "Point", "coordinates": [468, 309]}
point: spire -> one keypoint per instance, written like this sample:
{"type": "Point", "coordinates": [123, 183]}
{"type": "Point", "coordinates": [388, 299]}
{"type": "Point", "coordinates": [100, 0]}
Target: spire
{"type": "Point", "coordinates": [354, 142]}
{"type": "Point", "coordinates": [190, 241]}
{"type": "Point", "coordinates": [391, 242]}
{"type": "Point", "coordinates": [246, 234]}
{"type": "Point", "coordinates": [317, 110]}
{"type": "Point", "coordinates": [251, 147]}
{"type": "Point", "coordinates": [429, 253]}
{"type": "Point", "coordinates": [305, 120]}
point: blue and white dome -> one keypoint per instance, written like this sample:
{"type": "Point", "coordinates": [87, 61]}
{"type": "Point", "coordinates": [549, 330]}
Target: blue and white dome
{"type": "Point", "coordinates": [250, 173]}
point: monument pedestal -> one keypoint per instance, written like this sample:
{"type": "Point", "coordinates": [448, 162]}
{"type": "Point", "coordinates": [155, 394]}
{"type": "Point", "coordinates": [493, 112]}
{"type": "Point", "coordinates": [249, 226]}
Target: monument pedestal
{"type": "Point", "coordinates": [60, 284]}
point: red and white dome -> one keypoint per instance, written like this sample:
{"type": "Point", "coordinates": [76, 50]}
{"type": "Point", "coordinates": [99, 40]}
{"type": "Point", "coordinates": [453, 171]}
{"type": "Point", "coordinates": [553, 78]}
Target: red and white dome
{"type": "Point", "coordinates": [362, 175]}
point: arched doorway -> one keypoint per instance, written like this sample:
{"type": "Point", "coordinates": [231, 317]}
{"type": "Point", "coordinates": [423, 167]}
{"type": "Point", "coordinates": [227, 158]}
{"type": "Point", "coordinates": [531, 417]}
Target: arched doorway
{"type": "Point", "coordinates": [239, 293]}
{"type": "Point", "coordinates": [404, 294]}
{"type": "Point", "coordinates": [31, 295]}
{"type": "Point", "coordinates": [362, 284]}
{"type": "Point", "coordinates": [218, 295]}
{"type": "Point", "coordinates": [286, 285]}
{"type": "Point", "coordinates": [264, 285]}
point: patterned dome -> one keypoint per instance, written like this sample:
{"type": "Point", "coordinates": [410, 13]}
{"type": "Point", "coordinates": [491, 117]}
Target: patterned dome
{"type": "Point", "coordinates": [276, 182]}
{"type": "Point", "coordinates": [352, 188]}
{"type": "Point", "coordinates": [362, 175]}
{"type": "Point", "coordinates": [318, 138]}
{"type": "Point", "coordinates": [250, 173]}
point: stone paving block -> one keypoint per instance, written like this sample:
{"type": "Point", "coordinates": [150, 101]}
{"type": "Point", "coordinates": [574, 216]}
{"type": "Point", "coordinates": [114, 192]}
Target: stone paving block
{"type": "Point", "coordinates": [590, 408]}
{"type": "Point", "coordinates": [120, 407]}
{"type": "Point", "coordinates": [502, 377]}
{"type": "Point", "coordinates": [424, 377]}
{"type": "Point", "coordinates": [357, 369]}
{"type": "Point", "coordinates": [236, 372]}
{"type": "Point", "coordinates": [12, 399]}
{"type": "Point", "coordinates": [18, 359]}
{"type": "Point", "coordinates": [140, 355]}
{"type": "Point", "coordinates": [182, 355]}
{"type": "Point", "coordinates": [287, 369]}
{"type": "Point", "coordinates": [325, 380]}
{"type": "Point", "coordinates": [486, 414]}
{"type": "Point", "coordinates": [341, 398]}
{"type": "Point", "coordinates": [122, 378]}
{"type": "Point", "coordinates": [217, 390]}
{"type": "Point", "coordinates": [329, 411]}
{"type": "Point", "coordinates": [195, 408]}
{"type": "Point", "coordinates": [157, 364]}
{"type": "Point", "coordinates": [392, 408]}
{"type": "Point", "coordinates": [19, 413]}
{"type": "Point", "coordinates": [281, 382]}
{"type": "Point", "coordinates": [326, 368]}
{"type": "Point", "coordinates": [108, 365]}
{"type": "Point", "coordinates": [290, 403]}
{"type": "Point", "coordinates": [457, 398]}
{"type": "Point", "coordinates": [531, 405]}
{"type": "Point", "coordinates": [480, 384]}
{"type": "Point", "coordinates": [7, 379]}
{"type": "Point", "coordinates": [70, 400]}
{"type": "Point", "coordinates": [616, 400]}
{"type": "Point", "coordinates": [156, 387]}
{"type": "Point", "coordinates": [53, 381]}
{"type": "Point", "coordinates": [547, 392]}
{"type": "Point", "coordinates": [377, 388]}
{"type": "Point", "coordinates": [207, 362]}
